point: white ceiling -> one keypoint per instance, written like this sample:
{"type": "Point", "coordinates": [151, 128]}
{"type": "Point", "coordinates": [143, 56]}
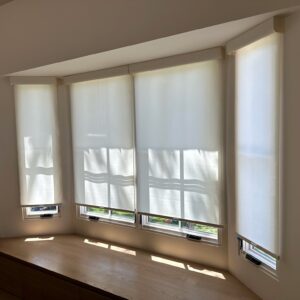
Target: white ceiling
{"type": "Point", "coordinates": [4, 1]}
{"type": "Point", "coordinates": [177, 44]}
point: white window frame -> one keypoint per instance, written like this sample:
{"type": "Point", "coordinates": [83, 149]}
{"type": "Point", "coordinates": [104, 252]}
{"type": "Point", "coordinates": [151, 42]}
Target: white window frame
{"type": "Point", "coordinates": [165, 62]}
{"type": "Point", "coordinates": [179, 231]}
{"type": "Point", "coordinates": [29, 213]}
{"type": "Point", "coordinates": [268, 262]}
{"type": "Point", "coordinates": [83, 213]}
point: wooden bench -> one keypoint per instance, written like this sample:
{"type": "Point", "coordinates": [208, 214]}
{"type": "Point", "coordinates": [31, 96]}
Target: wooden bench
{"type": "Point", "coordinates": [75, 267]}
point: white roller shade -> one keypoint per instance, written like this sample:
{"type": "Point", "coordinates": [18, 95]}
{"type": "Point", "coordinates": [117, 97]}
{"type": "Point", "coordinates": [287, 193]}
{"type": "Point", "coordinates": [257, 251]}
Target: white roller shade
{"type": "Point", "coordinates": [179, 129]}
{"type": "Point", "coordinates": [257, 141]}
{"type": "Point", "coordinates": [102, 125]}
{"type": "Point", "coordinates": [39, 160]}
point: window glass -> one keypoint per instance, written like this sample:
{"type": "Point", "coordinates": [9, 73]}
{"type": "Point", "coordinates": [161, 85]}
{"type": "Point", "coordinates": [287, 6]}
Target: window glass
{"type": "Point", "coordinates": [171, 225]}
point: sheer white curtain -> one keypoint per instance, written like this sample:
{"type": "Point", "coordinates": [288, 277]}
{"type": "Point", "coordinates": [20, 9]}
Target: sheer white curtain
{"type": "Point", "coordinates": [257, 141]}
{"type": "Point", "coordinates": [103, 142]}
{"type": "Point", "coordinates": [38, 151]}
{"type": "Point", "coordinates": [179, 129]}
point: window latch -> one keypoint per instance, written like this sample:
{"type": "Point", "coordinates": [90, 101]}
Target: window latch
{"type": "Point", "coordinates": [93, 218]}
{"type": "Point", "coordinates": [193, 237]}
{"type": "Point", "coordinates": [253, 259]}
{"type": "Point", "coordinates": [46, 216]}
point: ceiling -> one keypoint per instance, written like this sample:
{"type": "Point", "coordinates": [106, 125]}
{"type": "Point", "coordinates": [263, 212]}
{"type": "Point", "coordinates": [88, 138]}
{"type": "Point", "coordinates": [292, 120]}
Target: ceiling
{"type": "Point", "coordinates": [177, 44]}
{"type": "Point", "coordinates": [4, 1]}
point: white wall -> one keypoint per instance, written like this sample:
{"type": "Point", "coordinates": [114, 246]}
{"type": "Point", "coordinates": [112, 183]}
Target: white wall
{"type": "Point", "coordinates": [287, 287]}
{"type": "Point", "coordinates": [40, 32]}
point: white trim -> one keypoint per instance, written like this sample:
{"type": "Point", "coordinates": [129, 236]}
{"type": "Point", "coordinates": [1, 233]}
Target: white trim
{"type": "Point", "coordinates": [265, 258]}
{"type": "Point", "coordinates": [178, 231]}
{"type": "Point", "coordinates": [15, 80]}
{"type": "Point", "coordinates": [275, 24]}
{"type": "Point", "coordinates": [176, 60]}
{"type": "Point", "coordinates": [39, 214]}
{"type": "Point", "coordinates": [281, 146]}
{"type": "Point", "coordinates": [165, 62]}
{"type": "Point", "coordinates": [240, 237]}
{"type": "Point", "coordinates": [93, 75]}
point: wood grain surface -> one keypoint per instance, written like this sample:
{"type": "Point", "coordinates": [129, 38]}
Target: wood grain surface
{"type": "Point", "coordinates": [114, 270]}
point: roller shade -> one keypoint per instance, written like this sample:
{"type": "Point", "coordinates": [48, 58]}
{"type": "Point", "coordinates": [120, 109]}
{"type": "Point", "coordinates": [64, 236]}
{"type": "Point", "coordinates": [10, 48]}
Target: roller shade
{"type": "Point", "coordinates": [38, 150]}
{"type": "Point", "coordinates": [257, 142]}
{"type": "Point", "coordinates": [179, 135]}
{"type": "Point", "coordinates": [103, 142]}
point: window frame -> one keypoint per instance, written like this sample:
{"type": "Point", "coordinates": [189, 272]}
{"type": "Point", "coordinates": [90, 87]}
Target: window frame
{"type": "Point", "coordinates": [268, 262]}
{"type": "Point", "coordinates": [180, 232]}
{"type": "Point", "coordinates": [45, 214]}
{"type": "Point", "coordinates": [138, 221]}
{"type": "Point", "coordinates": [82, 213]}
{"type": "Point", "coordinates": [141, 222]}
{"type": "Point", "coordinates": [19, 83]}
{"type": "Point", "coordinates": [131, 69]}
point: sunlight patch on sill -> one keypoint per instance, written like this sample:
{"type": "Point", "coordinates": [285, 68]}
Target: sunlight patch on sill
{"type": "Point", "coordinates": [123, 250]}
{"type": "Point", "coordinates": [98, 244]}
{"type": "Point", "coordinates": [111, 247]}
{"type": "Point", "coordinates": [39, 239]}
{"type": "Point", "coordinates": [207, 272]}
{"type": "Point", "coordinates": [158, 259]}
{"type": "Point", "coordinates": [187, 267]}
{"type": "Point", "coordinates": [169, 262]}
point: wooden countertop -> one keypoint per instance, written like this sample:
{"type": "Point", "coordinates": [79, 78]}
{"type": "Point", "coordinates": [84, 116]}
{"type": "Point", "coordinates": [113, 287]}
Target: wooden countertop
{"type": "Point", "coordinates": [128, 273]}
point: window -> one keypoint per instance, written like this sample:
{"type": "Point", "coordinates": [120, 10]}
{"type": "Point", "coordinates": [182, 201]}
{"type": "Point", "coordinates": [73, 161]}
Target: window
{"type": "Point", "coordinates": [179, 137]}
{"type": "Point", "coordinates": [182, 228]}
{"type": "Point", "coordinates": [258, 143]}
{"type": "Point", "coordinates": [103, 138]}
{"type": "Point", "coordinates": [105, 214]}
{"type": "Point", "coordinates": [163, 115]}
{"type": "Point", "coordinates": [41, 211]}
{"type": "Point", "coordinates": [262, 257]}
{"type": "Point", "coordinates": [162, 122]}
{"type": "Point", "coordinates": [38, 149]}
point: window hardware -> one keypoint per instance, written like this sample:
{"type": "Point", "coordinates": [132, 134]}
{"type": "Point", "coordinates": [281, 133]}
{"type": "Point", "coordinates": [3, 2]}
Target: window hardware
{"type": "Point", "coordinates": [253, 259]}
{"type": "Point", "coordinates": [93, 218]}
{"type": "Point", "coordinates": [192, 237]}
{"type": "Point", "coordinates": [46, 216]}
